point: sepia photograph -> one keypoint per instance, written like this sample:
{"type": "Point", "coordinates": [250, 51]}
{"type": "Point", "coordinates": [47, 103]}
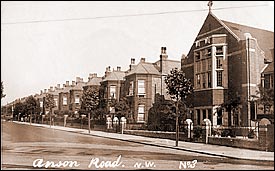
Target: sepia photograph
{"type": "Point", "coordinates": [137, 85]}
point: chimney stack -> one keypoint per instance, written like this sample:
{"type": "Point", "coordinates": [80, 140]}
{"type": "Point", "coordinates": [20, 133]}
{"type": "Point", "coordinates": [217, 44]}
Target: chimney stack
{"type": "Point", "coordinates": [67, 83]}
{"type": "Point", "coordinates": [51, 88]}
{"type": "Point", "coordinates": [163, 57]}
{"type": "Point", "coordinates": [92, 75]}
{"type": "Point", "coordinates": [142, 60]}
{"type": "Point", "coordinates": [73, 83]}
{"type": "Point", "coordinates": [163, 50]}
{"type": "Point", "coordinates": [58, 87]}
{"type": "Point", "coordinates": [108, 70]}
{"type": "Point", "coordinates": [64, 85]}
{"type": "Point", "coordinates": [45, 90]}
{"type": "Point", "coordinates": [41, 91]}
{"type": "Point", "coordinates": [118, 68]}
{"type": "Point", "coordinates": [132, 61]}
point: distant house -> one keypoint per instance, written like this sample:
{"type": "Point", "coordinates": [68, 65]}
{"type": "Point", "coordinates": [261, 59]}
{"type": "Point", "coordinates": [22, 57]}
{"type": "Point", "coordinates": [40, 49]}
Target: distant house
{"type": "Point", "coordinates": [75, 94]}
{"type": "Point", "coordinates": [93, 82]}
{"type": "Point", "coordinates": [112, 85]}
{"type": "Point", "coordinates": [64, 98]}
{"type": "Point", "coordinates": [225, 64]}
{"type": "Point", "coordinates": [55, 92]}
{"type": "Point", "coordinates": [267, 83]}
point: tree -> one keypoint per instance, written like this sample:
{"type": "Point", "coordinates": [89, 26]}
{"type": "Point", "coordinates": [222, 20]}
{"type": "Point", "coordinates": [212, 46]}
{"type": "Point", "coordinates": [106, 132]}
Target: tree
{"type": "Point", "coordinates": [90, 102]}
{"type": "Point", "coordinates": [265, 97]}
{"type": "Point", "coordinates": [32, 107]}
{"type": "Point", "coordinates": [122, 108]}
{"type": "Point", "coordinates": [231, 106]}
{"type": "Point", "coordinates": [2, 90]}
{"type": "Point", "coordinates": [179, 88]}
{"type": "Point", "coordinates": [19, 110]}
{"type": "Point", "coordinates": [49, 103]}
{"type": "Point", "coordinates": [162, 116]}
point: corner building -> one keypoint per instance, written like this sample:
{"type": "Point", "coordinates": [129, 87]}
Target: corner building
{"type": "Point", "coordinates": [225, 63]}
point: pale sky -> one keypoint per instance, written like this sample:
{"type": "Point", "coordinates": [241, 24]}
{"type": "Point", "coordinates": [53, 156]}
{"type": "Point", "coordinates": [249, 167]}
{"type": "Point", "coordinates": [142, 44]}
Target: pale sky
{"type": "Point", "coordinates": [37, 55]}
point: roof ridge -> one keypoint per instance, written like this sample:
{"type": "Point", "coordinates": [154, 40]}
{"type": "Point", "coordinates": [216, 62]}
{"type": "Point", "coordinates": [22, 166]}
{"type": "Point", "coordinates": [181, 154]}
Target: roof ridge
{"type": "Point", "coordinates": [224, 25]}
{"type": "Point", "coordinates": [247, 26]}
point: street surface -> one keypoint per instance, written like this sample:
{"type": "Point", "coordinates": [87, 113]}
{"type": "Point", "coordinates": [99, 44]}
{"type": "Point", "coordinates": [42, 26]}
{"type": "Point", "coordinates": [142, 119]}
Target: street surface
{"type": "Point", "coordinates": [25, 145]}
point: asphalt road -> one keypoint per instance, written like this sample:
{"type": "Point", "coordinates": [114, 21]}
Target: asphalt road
{"type": "Point", "coordinates": [26, 146]}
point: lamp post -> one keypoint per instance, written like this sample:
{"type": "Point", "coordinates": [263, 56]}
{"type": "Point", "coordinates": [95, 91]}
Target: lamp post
{"type": "Point", "coordinates": [89, 121]}
{"type": "Point", "coordinates": [177, 124]}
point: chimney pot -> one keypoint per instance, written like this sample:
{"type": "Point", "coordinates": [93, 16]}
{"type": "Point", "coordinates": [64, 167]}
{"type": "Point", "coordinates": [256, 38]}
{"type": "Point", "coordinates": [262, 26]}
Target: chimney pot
{"type": "Point", "coordinates": [163, 50]}
{"type": "Point", "coordinates": [142, 60]}
{"type": "Point", "coordinates": [132, 61]}
{"type": "Point", "coordinates": [118, 68]}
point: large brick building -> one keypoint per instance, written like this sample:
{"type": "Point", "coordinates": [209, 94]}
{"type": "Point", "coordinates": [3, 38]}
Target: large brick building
{"type": "Point", "coordinates": [225, 63]}
{"type": "Point", "coordinates": [143, 81]}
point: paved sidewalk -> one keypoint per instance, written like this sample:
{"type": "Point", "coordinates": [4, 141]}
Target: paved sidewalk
{"type": "Point", "coordinates": [208, 149]}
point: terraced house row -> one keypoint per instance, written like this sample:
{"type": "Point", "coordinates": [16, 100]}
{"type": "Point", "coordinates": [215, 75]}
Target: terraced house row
{"type": "Point", "coordinates": [227, 61]}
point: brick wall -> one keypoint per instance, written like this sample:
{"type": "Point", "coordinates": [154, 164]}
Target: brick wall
{"type": "Point", "coordinates": [236, 142]}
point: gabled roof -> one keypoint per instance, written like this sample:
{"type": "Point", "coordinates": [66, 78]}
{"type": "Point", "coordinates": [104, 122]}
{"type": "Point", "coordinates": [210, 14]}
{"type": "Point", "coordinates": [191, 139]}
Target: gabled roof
{"type": "Point", "coordinates": [269, 69]}
{"type": "Point", "coordinates": [265, 39]}
{"type": "Point", "coordinates": [144, 68]}
{"type": "Point", "coordinates": [114, 76]}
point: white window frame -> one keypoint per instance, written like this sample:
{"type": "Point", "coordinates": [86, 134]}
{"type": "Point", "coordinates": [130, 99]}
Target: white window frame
{"type": "Point", "coordinates": [56, 101]}
{"type": "Point", "coordinates": [141, 113]}
{"type": "Point", "coordinates": [131, 88]}
{"type": "Point", "coordinates": [141, 87]}
{"type": "Point", "coordinates": [77, 99]}
{"type": "Point", "coordinates": [219, 78]}
{"type": "Point", "coordinates": [113, 91]}
{"type": "Point", "coordinates": [65, 100]}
